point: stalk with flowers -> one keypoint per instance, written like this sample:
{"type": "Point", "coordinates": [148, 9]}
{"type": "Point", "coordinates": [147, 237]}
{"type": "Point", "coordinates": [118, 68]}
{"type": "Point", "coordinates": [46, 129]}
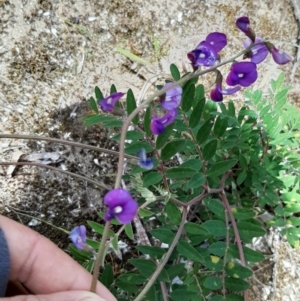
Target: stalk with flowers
{"type": "Point", "coordinates": [212, 170]}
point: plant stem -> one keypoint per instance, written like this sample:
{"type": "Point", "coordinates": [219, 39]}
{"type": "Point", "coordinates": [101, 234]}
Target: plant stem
{"type": "Point", "coordinates": [71, 174]}
{"type": "Point", "coordinates": [166, 258]}
{"type": "Point", "coordinates": [66, 142]}
{"type": "Point", "coordinates": [99, 258]}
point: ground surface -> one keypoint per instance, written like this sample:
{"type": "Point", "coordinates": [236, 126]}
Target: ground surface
{"type": "Point", "coordinates": [53, 53]}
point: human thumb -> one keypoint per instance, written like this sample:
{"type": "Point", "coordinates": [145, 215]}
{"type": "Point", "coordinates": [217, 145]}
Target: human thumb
{"type": "Point", "coordinates": [62, 296]}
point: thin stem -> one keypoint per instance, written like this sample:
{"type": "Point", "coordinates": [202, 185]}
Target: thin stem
{"type": "Point", "coordinates": [157, 94]}
{"type": "Point", "coordinates": [166, 258]}
{"type": "Point", "coordinates": [71, 174]}
{"type": "Point", "coordinates": [100, 255]}
{"type": "Point", "coordinates": [66, 142]}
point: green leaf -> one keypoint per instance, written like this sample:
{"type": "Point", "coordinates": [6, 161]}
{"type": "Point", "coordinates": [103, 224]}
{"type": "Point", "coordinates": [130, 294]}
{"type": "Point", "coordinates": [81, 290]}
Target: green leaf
{"type": "Point", "coordinates": [210, 107]}
{"type": "Point", "coordinates": [113, 89]}
{"type": "Point", "coordinates": [192, 163]}
{"type": "Point", "coordinates": [173, 213]}
{"type": "Point", "coordinates": [114, 243]}
{"type": "Point", "coordinates": [145, 213]}
{"type": "Point", "coordinates": [182, 295]}
{"type": "Point", "coordinates": [152, 178]}
{"type": "Point", "coordinates": [164, 235]}
{"type": "Point", "coordinates": [95, 119]}
{"type": "Point", "coordinates": [250, 255]}
{"type": "Point", "coordinates": [196, 181]}
{"type": "Point", "coordinates": [197, 111]}
{"type": "Point", "coordinates": [214, 263]}
{"type": "Point", "coordinates": [175, 72]}
{"type": "Point", "coordinates": [163, 138]}
{"type": "Point", "coordinates": [130, 135]}
{"type": "Point", "coordinates": [188, 251]}
{"type": "Point", "coordinates": [215, 227]}
{"type": "Point", "coordinates": [180, 172]}
{"type": "Point", "coordinates": [107, 276]}
{"type": "Point", "coordinates": [220, 126]}
{"type": "Point", "coordinates": [177, 270]}
{"type": "Point", "coordinates": [98, 94]}
{"type": "Point", "coordinates": [204, 131]}
{"type": "Point", "coordinates": [134, 148]}
{"type": "Point", "coordinates": [172, 148]}
{"type": "Point", "coordinates": [127, 287]}
{"type": "Point", "coordinates": [99, 228]}
{"type": "Point", "coordinates": [234, 297]}
{"type": "Point", "coordinates": [235, 284]}
{"type": "Point", "coordinates": [213, 283]}
{"type": "Point", "coordinates": [153, 252]}
{"type": "Point", "coordinates": [111, 124]}
{"type": "Point", "coordinates": [220, 168]}
{"type": "Point", "coordinates": [132, 278]}
{"type": "Point", "coordinates": [94, 105]}
{"type": "Point", "coordinates": [128, 231]}
{"type": "Point", "coordinates": [231, 108]}
{"type": "Point", "coordinates": [218, 248]}
{"type": "Point", "coordinates": [199, 95]}
{"type": "Point", "coordinates": [147, 121]}
{"type": "Point", "coordinates": [210, 149]}
{"type": "Point", "coordinates": [193, 228]}
{"type": "Point", "coordinates": [131, 106]}
{"type": "Point", "coordinates": [216, 207]}
{"type": "Point", "coordinates": [235, 270]}
{"type": "Point", "coordinates": [248, 231]}
{"type": "Point", "coordinates": [146, 267]}
{"type": "Point", "coordinates": [243, 213]}
{"type": "Point", "coordinates": [188, 97]}
{"type": "Point", "coordinates": [241, 177]}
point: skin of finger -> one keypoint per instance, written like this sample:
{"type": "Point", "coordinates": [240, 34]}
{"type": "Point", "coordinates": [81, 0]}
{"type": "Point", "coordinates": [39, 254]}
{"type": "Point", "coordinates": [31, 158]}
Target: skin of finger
{"type": "Point", "coordinates": [41, 266]}
{"type": "Point", "coordinates": [62, 296]}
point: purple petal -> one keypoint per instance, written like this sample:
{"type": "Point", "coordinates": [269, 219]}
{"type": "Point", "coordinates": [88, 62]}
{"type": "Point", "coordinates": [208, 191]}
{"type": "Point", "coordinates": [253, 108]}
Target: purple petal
{"type": "Point", "coordinates": [107, 104]}
{"type": "Point", "coordinates": [242, 73]}
{"type": "Point", "coordinates": [230, 91]}
{"type": "Point", "coordinates": [158, 124]}
{"type": "Point", "coordinates": [203, 55]}
{"type": "Point", "coordinates": [117, 197]}
{"type": "Point", "coordinates": [258, 52]}
{"type": "Point", "coordinates": [280, 57]}
{"type": "Point", "coordinates": [216, 95]}
{"type": "Point", "coordinates": [144, 162]}
{"type": "Point", "coordinates": [172, 97]}
{"type": "Point", "coordinates": [243, 23]}
{"type": "Point", "coordinates": [217, 40]}
{"type": "Point", "coordinates": [128, 213]}
{"type": "Point", "coordinates": [78, 236]}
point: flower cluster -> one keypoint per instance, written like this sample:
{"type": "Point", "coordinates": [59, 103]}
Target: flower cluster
{"type": "Point", "coordinates": [242, 74]}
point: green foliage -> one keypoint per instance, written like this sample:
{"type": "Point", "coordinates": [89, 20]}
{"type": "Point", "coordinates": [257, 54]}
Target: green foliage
{"type": "Point", "coordinates": [215, 157]}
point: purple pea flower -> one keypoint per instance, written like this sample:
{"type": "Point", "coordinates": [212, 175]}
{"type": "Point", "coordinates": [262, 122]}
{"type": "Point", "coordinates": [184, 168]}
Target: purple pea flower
{"type": "Point", "coordinates": [242, 73]}
{"type": "Point", "coordinates": [258, 52]}
{"type": "Point", "coordinates": [280, 57]}
{"type": "Point", "coordinates": [158, 124]}
{"type": "Point", "coordinates": [243, 23]}
{"type": "Point", "coordinates": [218, 40]}
{"type": "Point", "coordinates": [217, 93]}
{"type": "Point", "coordinates": [120, 206]}
{"type": "Point", "coordinates": [107, 104]}
{"type": "Point", "coordinates": [78, 237]}
{"type": "Point", "coordinates": [172, 98]}
{"type": "Point", "coordinates": [144, 162]}
{"type": "Point", "coordinates": [204, 55]}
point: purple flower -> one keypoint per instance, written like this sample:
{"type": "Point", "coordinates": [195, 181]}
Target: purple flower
{"type": "Point", "coordinates": [242, 73]}
{"type": "Point", "coordinates": [243, 23]}
{"type": "Point", "coordinates": [217, 93]}
{"type": "Point", "coordinates": [216, 39]}
{"type": "Point", "coordinates": [280, 57]}
{"type": "Point", "coordinates": [144, 162]}
{"type": "Point", "coordinates": [78, 237]}
{"type": "Point", "coordinates": [172, 98]}
{"type": "Point", "coordinates": [204, 55]}
{"type": "Point", "coordinates": [258, 52]}
{"type": "Point", "coordinates": [107, 104]}
{"type": "Point", "coordinates": [158, 124]}
{"type": "Point", "coordinates": [120, 206]}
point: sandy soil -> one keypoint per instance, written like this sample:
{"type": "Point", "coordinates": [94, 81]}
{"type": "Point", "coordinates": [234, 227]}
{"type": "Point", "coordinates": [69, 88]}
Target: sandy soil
{"type": "Point", "coordinates": [53, 53]}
